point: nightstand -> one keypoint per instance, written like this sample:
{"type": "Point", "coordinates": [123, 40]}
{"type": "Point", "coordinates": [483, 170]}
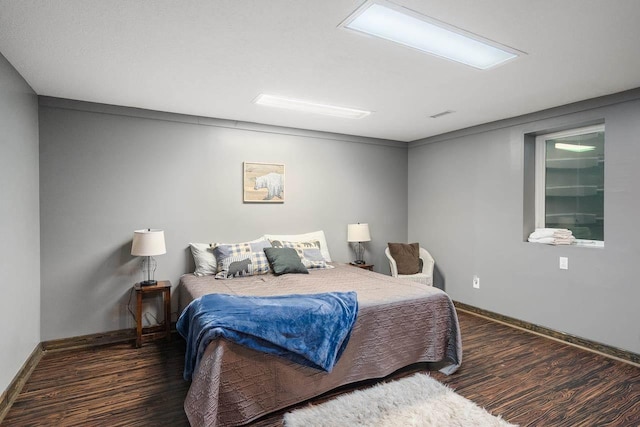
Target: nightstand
{"type": "Point", "coordinates": [162, 330]}
{"type": "Point", "coordinates": [363, 266]}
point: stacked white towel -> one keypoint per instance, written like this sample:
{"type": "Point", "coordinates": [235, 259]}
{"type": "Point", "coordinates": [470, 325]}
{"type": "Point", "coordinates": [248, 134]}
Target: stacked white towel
{"type": "Point", "coordinates": [552, 236]}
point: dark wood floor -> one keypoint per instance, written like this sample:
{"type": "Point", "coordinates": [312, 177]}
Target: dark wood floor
{"type": "Point", "coordinates": [529, 380]}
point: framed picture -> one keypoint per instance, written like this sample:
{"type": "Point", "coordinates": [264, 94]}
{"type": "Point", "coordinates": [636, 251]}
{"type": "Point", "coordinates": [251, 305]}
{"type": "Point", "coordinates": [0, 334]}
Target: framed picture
{"type": "Point", "coordinates": [263, 182]}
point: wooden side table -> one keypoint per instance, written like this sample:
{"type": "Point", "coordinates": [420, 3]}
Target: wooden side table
{"type": "Point", "coordinates": [162, 330]}
{"type": "Point", "coordinates": [363, 266]}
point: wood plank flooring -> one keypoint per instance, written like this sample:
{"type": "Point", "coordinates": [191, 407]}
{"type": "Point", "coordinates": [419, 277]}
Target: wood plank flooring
{"type": "Point", "coordinates": [529, 380]}
{"type": "Point", "coordinates": [114, 385]}
{"type": "Point", "coordinates": [535, 381]}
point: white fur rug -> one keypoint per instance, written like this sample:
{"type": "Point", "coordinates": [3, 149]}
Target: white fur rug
{"type": "Point", "coordinates": [418, 400]}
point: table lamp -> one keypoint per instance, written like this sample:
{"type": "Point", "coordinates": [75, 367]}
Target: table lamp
{"type": "Point", "coordinates": [358, 233]}
{"type": "Point", "coordinates": [148, 243]}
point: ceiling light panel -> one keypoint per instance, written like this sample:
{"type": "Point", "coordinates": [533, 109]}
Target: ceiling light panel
{"type": "Point", "coordinates": [576, 148]}
{"type": "Point", "coordinates": [310, 107]}
{"type": "Point", "coordinates": [400, 25]}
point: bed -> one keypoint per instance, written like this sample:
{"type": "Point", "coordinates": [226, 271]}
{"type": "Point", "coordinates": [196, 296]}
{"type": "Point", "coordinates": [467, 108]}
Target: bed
{"type": "Point", "coordinates": [399, 323]}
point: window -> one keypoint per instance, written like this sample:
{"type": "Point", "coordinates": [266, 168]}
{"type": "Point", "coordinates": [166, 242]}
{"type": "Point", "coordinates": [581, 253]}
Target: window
{"type": "Point", "coordinates": [569, 188]}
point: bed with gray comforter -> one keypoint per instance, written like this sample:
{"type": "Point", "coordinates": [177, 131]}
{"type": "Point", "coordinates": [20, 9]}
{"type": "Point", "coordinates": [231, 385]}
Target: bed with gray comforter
{"type": "Point", "coordinates": [399, 323]}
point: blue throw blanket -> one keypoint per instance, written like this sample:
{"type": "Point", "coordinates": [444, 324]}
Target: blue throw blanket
{"type": "Point", "coordinates": [312, 330]}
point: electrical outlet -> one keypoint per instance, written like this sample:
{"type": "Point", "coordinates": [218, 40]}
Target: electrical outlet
{"type": "Point", "coordinates": [476, 282]}
{"type": "Point", "coordinates": [564, 263]}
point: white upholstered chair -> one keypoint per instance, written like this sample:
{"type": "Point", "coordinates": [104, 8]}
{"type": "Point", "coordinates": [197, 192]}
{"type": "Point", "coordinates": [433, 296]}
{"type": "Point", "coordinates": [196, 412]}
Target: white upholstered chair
{"type": "Point", "coordinates": [425, 276]}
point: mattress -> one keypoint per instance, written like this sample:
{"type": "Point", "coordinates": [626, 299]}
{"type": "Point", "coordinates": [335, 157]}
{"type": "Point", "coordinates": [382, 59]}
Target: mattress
{"type": "Point", "coordinates": [399, 323]}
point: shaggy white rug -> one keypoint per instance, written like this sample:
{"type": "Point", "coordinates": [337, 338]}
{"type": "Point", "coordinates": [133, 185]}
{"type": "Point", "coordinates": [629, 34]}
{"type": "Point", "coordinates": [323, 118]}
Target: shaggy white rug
{"type": "Point", "coordinates": [418, 400]}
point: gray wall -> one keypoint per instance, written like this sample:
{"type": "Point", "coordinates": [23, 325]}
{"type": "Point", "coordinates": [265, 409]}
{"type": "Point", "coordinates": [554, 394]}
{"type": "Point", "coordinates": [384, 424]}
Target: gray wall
{"type": "Point", "coordinates": [466, 207]}
{"type": "Point", "coordinates": [19, 223]}
{"type": "Point", "coordinates": [106, 171]}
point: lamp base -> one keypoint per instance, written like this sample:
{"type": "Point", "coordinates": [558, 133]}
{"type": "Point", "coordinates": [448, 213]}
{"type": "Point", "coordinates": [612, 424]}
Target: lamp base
{"type": "Point", "coordinates": [149, 283]}
{"type": "Point", "coordinates": [358, 262]}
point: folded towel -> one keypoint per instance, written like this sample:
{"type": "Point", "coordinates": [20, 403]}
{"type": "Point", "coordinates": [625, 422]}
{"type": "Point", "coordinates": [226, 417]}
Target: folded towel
{"type": "Point", "coordinates": [550, 232]}
{"type": "Point", "coordinates": [563, 235]}
{"type": "Point", "coordinates": [553, 240]}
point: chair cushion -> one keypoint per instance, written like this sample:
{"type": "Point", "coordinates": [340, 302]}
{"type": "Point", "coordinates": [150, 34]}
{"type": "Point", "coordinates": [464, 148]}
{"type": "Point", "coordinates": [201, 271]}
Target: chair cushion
{"type": "Point", "coordinates": [406, 256]}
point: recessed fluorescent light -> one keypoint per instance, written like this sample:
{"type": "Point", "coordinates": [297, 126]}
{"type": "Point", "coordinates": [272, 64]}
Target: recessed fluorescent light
{"type": "Point", "coordinates": [310, 107]}
{"type": "Point", "coordinates": [573, 147]}
{"type": "Point", "coordinates": [400, 25]}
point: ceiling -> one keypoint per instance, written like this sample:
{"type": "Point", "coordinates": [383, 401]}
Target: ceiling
{"type": "Point", "coordinates": [214, 57]}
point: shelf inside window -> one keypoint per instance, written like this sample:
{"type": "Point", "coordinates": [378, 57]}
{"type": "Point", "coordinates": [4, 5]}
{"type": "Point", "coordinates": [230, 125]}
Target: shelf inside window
{"type": "Point", "coordinates": [574, 163]}
{"type": "Point", "coordinates": [571, 218]}
{"type": "Point", "coordinates": [572, 190]}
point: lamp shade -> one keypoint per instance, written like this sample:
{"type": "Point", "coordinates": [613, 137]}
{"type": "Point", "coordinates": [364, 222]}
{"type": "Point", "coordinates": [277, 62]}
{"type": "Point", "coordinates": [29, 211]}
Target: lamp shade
{"type": "Point", "coordinates": [148, 243]}
{"type": "Point", "coordinates": [358, 233]}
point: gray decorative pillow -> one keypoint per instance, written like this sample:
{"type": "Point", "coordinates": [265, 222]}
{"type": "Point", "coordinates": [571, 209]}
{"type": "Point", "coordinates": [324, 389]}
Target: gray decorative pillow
{"type": "Point", "coordinates": [285, 261]}
{"type": "Point", "coordinates": [406, 256]}
{"type": "Point", "coordinates": [241, 259]}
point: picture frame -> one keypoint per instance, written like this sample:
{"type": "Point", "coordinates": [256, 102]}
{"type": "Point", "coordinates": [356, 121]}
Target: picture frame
{"type": "Point", "coordinates": [263, 182]}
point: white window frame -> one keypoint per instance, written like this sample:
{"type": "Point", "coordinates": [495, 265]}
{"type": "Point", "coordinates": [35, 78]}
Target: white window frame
{"type": "Point", "coordinates": [540, 184]}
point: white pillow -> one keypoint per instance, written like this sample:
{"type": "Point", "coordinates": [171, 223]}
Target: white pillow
{"type": "Point", "coordinates": [203, 257]}
{"type": "Point", "coordinates": [206, 263]}
{"type": "Point", "coordinates": [315, 235]}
